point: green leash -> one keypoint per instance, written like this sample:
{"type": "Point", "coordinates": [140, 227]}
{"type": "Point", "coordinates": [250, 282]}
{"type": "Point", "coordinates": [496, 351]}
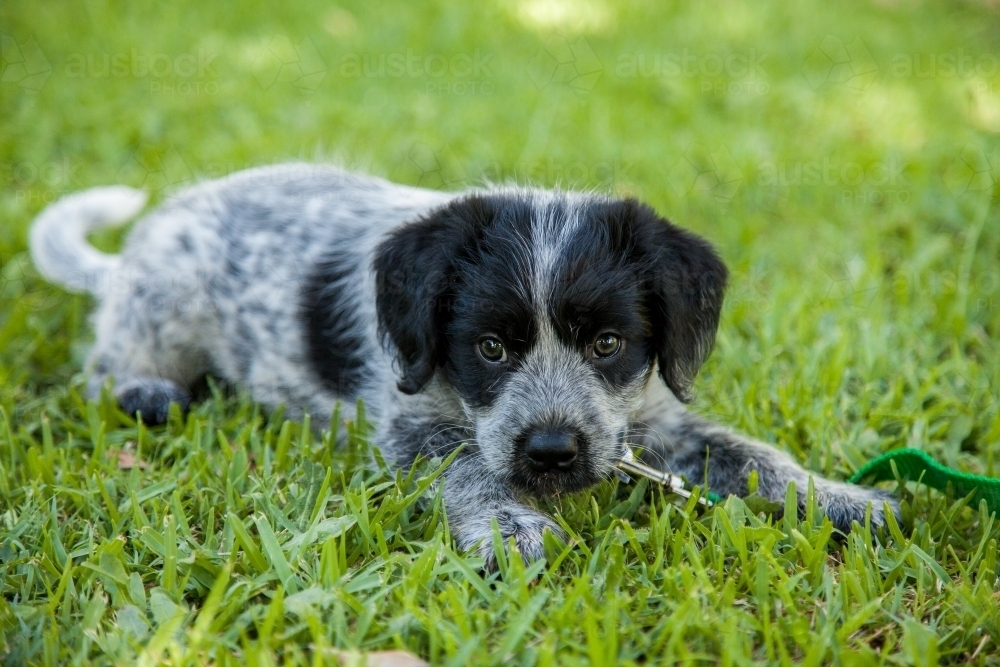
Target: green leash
{"type": "Point", "coordinates": [909, 464]}
{"type": "Point", "coordinates": [914, 465]}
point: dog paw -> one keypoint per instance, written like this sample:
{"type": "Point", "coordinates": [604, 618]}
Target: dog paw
{"type": "Point", "coordinates": [848, 503]}
{"type": "Point", "coordinates": [527, 527]}
{"type": "Point", "coordinates": [151, 398]}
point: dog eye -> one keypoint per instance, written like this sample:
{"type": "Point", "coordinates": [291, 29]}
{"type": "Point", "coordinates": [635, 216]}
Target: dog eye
{"type": "Point", "coordinates": [607, 345]}
{"type": "Point", "coordinates": [492, 350]}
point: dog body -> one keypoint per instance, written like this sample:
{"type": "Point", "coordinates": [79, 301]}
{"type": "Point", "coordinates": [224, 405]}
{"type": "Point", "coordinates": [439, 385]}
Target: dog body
{"type": "Point", "coordinates": [545, 329]}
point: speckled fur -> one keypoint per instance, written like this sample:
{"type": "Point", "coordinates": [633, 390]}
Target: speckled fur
{"type": "Point", "coordinates": [212, 281]}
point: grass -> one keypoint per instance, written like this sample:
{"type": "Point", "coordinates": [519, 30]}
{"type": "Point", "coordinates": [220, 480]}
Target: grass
{"type": "Point", "coordinates": [843, 158]}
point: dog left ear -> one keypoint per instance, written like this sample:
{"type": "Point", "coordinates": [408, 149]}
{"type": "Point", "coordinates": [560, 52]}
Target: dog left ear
{"type": "Point", "coordinates": [685, 281]}
{"type": "Point", "coordinates": [414, 279]}
{"type": "Point", "coordinates": [411, 279]}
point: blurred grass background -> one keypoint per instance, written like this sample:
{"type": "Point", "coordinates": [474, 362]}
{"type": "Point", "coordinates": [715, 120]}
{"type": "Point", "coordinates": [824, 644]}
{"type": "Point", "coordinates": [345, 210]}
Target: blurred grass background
{"type": "Point", "coordinates": [843, 157]}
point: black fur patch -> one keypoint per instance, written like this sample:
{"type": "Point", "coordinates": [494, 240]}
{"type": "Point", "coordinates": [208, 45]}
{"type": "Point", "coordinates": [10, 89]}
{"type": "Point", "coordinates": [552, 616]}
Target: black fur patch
{"type": "Point", "coordinates": [630, 272]}
{"type": "Point", "coordinates": [446, 280]}
{"type": "Point", "coordinates": [492, 295]}
{"type": "Point", "coordinates": [335, 343]}
{"type": "Point", "coordinates": [598, 289]}
{"type": "Point", "coordinates": [682, 281]}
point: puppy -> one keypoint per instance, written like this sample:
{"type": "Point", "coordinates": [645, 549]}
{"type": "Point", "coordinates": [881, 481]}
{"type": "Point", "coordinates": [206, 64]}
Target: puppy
{"type": "Point", "coordinates": [545, 329]}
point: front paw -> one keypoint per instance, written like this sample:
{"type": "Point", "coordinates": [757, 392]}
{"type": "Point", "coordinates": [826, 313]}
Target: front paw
{"type": "Point", "coordinates": [846, 503]}
{"type": "Point", "coordinates": [525, 525]}
{"type": "Point", "coordinates": [151, 398]}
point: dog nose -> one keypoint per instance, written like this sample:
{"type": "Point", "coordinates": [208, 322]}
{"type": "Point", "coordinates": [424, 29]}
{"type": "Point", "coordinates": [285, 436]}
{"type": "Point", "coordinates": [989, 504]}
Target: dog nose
{"type": "Point", "coordinates": [551, 447]}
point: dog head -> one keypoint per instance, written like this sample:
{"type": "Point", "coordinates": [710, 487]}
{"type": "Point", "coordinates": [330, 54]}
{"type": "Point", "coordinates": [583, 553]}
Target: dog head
{"type": "Point", "coordinates": [547, 313]}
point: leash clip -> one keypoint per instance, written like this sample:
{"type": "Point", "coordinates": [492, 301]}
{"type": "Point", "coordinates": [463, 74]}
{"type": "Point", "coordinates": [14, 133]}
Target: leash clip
{"type": "Point", "coordinates": [630, 465]}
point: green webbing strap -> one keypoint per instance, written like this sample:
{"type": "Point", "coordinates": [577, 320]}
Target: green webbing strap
{"type": "Point", "coordinates": [915, 465]}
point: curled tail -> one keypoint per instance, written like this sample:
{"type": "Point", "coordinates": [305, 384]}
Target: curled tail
{"type": "Point", "coordinates": [58, 237]}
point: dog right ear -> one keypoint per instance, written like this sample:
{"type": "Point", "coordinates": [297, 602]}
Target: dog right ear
{"type": "Point", "coordinates": [414, 283]}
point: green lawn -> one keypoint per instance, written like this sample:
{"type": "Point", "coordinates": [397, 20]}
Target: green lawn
{"type": "Point", "coordinates": [843, 156]}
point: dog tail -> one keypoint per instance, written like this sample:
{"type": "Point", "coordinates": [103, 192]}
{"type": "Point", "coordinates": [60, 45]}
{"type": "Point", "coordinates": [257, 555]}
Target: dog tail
{"type": "Point", "coordinates": [58, 237]}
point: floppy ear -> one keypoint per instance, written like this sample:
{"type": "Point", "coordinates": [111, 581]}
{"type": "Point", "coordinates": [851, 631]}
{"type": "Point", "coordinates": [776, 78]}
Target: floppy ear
{"type": "Point", "coordinates": [414, 276]}
{"type": "Point", "coordinates": [685, 281]}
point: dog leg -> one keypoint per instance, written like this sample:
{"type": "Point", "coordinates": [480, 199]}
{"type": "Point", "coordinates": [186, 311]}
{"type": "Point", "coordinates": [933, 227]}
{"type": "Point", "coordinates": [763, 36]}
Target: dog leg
{"type": "Point", "coordinates": [474, 497]}
{"type": "Point", "coordinates": [704, 453]}
{"type": "Point", "coordinates": [138, 387]}
{"type": "Point", "coordinates": [152, 355]}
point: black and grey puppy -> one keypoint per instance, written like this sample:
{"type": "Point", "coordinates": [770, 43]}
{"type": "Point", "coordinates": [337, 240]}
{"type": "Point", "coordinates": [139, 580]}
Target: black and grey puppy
{"type": "Point", "coordinates": [546, 329]}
